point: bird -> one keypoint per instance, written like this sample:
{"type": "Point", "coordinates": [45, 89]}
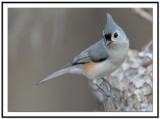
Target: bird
{"type": "Point", "coordinates": [100, 59]}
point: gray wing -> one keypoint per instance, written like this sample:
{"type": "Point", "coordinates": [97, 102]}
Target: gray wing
{"type": "Point", "coordinates": [95, 53]}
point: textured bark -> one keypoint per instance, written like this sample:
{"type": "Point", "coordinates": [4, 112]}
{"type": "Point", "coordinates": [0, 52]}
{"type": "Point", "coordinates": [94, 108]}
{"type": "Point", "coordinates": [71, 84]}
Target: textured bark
{"type": "Point", "coordinates": [132, 83]}
{"type": "Point", "coordinates": [108, 105]}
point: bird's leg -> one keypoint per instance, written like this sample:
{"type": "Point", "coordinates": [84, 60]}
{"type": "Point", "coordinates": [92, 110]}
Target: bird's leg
{"type": "Point", "coordinates": [109, 83]}
{"type": "Point", "coordinates": [110, 88]}
{"type": "Point", "coordinates": [104, 81]}
{"type": "Point", "coordinates": [106, 94]}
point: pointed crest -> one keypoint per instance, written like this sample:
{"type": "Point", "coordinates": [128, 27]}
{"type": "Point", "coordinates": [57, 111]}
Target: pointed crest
{"type": "Point", "coordinates": [110, 25]}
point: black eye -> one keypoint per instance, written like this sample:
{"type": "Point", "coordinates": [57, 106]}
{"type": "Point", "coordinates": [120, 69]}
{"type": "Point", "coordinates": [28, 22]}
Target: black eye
{"type": "Point", "coordinates": [116, 35]}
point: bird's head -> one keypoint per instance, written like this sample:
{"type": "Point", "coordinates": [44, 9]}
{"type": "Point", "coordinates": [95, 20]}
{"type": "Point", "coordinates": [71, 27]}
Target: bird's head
{"type": "Point", "coordinates": [113, 34]}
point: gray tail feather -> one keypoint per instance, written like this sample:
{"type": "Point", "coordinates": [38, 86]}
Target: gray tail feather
{"type": "Point", "coordinates": [71, 69]}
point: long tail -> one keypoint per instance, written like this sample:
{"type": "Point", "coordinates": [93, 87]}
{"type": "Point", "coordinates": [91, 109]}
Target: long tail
{"type": "Point", "coordinates": [72, 69]}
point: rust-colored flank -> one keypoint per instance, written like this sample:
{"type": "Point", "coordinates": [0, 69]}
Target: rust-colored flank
{"type": "Point", "coordinates": [89, 65]}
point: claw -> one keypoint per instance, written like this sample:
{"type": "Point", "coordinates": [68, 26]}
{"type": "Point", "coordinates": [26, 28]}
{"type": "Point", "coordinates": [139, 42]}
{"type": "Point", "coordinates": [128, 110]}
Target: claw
{"type": "Point", "coordinates": [102, 101]}
{"type": "Point", "coordinates": [110, 95]}
{"type": "Point", "coordinates": [106, 93]}
{"type": "Point", "coordinates": [113, 97]}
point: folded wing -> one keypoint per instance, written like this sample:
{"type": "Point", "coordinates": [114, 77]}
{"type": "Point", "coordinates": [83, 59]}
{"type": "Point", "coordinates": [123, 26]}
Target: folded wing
{"type": "Point", "coordinates": [95, 53]}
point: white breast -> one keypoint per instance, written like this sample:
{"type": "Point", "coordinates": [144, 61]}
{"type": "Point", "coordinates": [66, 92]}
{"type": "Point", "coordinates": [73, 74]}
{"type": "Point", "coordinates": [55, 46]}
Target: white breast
{"type": "Point", "coordinates": [115, 60]}
{"type": "Point", "coordinates": [101, 69]}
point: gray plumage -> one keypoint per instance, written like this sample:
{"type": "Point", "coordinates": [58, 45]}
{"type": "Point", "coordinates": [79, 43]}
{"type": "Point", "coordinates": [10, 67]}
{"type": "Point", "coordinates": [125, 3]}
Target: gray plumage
{"type": "Point", "coordinates": [110, 52]}
{"type": "Point", "coordinates": [72, 69]}
{"type": "Point", "coordinates": [110, 25]}
{"type": "Point", "coordinates": [95, 53]}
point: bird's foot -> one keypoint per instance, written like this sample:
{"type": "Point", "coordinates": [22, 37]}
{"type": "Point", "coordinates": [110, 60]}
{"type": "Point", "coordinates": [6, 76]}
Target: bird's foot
{"type": "Point", "coordinates": [107, 94]}
{"type": "Point", "coordinates": [110, 95]}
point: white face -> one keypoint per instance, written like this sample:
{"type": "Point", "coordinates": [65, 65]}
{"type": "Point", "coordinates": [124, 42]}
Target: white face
{"type": "Point", "coordinates": [116, 37]}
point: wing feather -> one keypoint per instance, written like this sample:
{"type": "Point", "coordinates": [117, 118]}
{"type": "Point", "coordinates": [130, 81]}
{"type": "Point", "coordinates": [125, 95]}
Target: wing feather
{"type": "Point", "coordinates": [95, 53]}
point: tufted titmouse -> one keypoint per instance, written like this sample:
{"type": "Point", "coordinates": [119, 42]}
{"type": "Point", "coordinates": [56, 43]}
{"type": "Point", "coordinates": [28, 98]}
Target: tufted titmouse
{"type": "Point", "coordinates": [100, 59]}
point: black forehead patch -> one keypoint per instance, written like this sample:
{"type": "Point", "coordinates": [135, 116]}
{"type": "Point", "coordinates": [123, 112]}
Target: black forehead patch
{"type": "Point", "coordinates": [108, 36]}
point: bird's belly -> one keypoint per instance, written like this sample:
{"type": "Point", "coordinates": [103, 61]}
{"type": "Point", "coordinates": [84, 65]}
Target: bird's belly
{"type": "Point", "coordinates": [99, 70]}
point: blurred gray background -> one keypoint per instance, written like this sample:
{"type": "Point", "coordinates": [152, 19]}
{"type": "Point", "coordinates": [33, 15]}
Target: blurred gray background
{"type": "Point", "coordinates": [41, 41]}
